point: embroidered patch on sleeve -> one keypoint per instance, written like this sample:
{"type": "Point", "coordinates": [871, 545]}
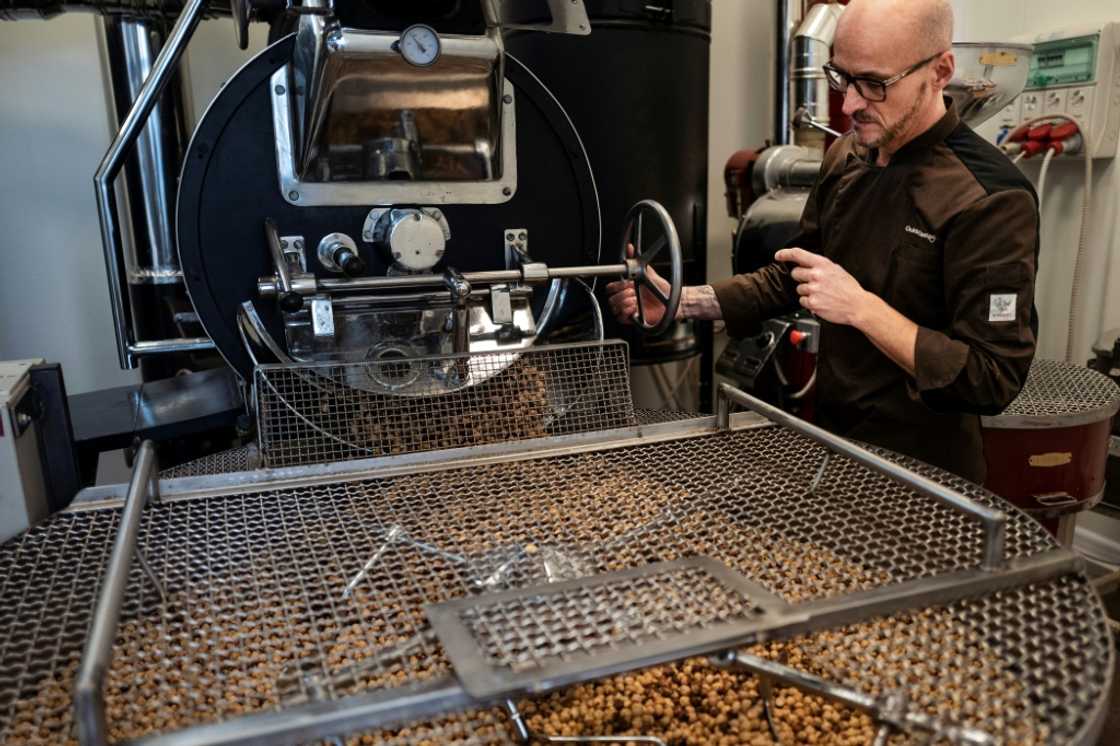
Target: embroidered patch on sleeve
{"type": "Point", "coordinates": [1001, 307]}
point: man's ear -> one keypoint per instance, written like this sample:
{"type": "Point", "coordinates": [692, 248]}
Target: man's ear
{"type": "Point", "coordinates": [944, 67]}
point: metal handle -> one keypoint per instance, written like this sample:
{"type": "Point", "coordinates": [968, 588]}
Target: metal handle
{"type": "Point", "coordinates": [994, 522]}
{"type": "Point", "coordinates": [89, 702]}
{"type": "Point", "coordinates": [111, 164]}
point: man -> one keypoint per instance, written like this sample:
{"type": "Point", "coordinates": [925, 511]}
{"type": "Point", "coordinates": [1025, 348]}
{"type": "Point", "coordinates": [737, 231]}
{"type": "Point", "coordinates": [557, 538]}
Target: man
{"type": "Point", "coordinates": [917, 253]}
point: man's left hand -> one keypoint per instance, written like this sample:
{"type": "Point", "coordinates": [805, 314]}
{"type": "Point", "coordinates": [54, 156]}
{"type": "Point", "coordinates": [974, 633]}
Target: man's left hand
{"type": "Point", "coordinates": [825, 287]}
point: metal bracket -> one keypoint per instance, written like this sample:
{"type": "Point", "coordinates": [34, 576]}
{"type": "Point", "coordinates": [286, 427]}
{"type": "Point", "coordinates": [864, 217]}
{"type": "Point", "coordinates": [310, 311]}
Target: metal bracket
{"type": "Point", "coordinates": [322, 316]}
{"type": "Point", "coordinates": [293, 248]}
{"type": "Point", "coordinates": [517, 247]}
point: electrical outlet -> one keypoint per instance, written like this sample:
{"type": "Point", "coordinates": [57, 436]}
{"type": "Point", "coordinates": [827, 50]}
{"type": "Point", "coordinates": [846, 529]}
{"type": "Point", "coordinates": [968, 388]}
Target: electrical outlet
{"type": "Point", "coordinates": [1079, 103]}
{"type": "Point", "coordinates": [1054, 102]}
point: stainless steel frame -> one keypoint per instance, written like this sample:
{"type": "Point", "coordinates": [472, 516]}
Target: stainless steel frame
{"type": "Point", "coordinates": [104, 182]}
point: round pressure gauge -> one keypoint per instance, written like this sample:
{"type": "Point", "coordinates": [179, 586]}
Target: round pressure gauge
{"type": "Point", "coordinates": [419, 45]}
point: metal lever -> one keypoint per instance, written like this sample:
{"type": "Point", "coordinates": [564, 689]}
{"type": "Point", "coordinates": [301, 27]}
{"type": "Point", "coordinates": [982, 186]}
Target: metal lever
{"type": "Point", "coordinates": [802, 118]}
{"type": "Point", "coordinates": [460, 290]}
{"type": "Point", "coordinates": [289, 301]}
{"type": "Point", "coordinates": [994, 522]}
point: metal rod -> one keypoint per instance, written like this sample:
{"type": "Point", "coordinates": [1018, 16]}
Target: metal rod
{"type": "Point", "coordinates": [111, 164]}
{"type": "Point", "coordinates": [994, 522]}
{"type": "Point", "coordinates": [882, 709]}
{"type": "Point", "coordinates": [309, 722]}
{"type": "Point", "coordinates": [268, 286]}
{"type": "Point", "coordinates": [165, 346]}
{"type": "Point", "coordinates": [89, 703]}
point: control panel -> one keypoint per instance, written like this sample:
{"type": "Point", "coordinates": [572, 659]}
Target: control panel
{"type": "Point", "coordinates": [1075, 72]}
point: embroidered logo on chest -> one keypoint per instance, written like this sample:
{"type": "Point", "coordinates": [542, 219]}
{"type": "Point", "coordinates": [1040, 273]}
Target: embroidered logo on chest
{"type": "Point", "coordinates": [1001, 307]}
{"type": "Point", "coordinates": [921, 234]}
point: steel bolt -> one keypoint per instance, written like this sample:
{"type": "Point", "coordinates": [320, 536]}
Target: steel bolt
{"type": "Point", "coordinates": [507, 98]}
{"type": "Point", "coordinates": [523, 235]}
{"type": "Point", "coordinates": [279, 90]}
{"type": "Point", "coordinates": [293, 195]}
{"type": "Point", "coordinates": [283, 243]}
{"type": "Point", "coordinates": [507, 191]}
{"type": "Point", "coordinates": [299, 244]}
{"type": "Point", "coordinates": [510, 236]}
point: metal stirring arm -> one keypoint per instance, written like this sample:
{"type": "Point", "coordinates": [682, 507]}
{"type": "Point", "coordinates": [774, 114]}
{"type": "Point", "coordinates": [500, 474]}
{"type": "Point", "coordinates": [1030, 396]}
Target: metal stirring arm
{"type": "Point", "coordinates": [891, 712]}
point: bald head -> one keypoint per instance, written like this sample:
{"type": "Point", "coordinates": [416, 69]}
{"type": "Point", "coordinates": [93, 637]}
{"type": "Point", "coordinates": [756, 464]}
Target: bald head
{"type": "Point", "coordinates": [902, 29]}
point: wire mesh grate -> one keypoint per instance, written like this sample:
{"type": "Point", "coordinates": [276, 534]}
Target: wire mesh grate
{"type": "Point", "coordinates": [257, 616]}
{"type": "Point", "coordinates": [230, 460]}
{"type": "Point", "coordinates": [579, 629]}
{"type": "Point", "coordinates": [1055, 388]}
{"type": "Point", "coordinates": [320, 413]}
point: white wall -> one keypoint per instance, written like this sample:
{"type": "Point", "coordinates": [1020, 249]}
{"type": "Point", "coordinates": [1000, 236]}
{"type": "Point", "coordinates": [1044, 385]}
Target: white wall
{"type": "Point", "coordinates": [741, 94]}
{"type": "Point", "coordinates": [54, 300]}
{"type": "Point", "coordinates": [1004, 19]}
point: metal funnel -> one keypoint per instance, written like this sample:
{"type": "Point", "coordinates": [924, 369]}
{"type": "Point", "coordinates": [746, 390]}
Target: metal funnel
{"type": "Point", "coordinates": [989, 76]}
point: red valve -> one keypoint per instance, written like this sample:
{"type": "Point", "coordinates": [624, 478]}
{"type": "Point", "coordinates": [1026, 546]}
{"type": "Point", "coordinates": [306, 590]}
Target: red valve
{"type": "Point", "coordinates": [1033, 148]}
{"type": "Point", "coordinates": [1041, 132]}
{"type": "Point", "coordinates": [796, 337]}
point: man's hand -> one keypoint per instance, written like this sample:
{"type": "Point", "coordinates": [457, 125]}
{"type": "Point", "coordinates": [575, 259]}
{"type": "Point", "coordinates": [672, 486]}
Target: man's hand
{"type": "Point", "coordinates": [623, 299]}
{"type": "Point", "coordinates": [826, 288]}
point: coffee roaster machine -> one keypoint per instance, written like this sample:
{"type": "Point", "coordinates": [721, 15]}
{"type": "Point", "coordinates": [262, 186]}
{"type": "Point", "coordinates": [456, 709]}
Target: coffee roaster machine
{"type": "Point", "coordinates": [444, 519]}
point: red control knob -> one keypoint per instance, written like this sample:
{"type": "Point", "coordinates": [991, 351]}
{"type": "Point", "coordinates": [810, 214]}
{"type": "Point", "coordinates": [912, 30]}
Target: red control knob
{"type": "Point", "coordinates": [796, 337]}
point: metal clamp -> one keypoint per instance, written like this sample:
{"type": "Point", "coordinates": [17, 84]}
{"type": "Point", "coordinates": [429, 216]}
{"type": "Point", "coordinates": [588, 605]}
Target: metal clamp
{"type": "Point", "coordinates": [89, 699]}
{"type": "Point", "coordinates": [994, 522]}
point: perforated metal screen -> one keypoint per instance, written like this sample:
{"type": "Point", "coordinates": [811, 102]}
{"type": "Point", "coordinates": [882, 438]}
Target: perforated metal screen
{"type": "Point", "coordinates": [258, 617]}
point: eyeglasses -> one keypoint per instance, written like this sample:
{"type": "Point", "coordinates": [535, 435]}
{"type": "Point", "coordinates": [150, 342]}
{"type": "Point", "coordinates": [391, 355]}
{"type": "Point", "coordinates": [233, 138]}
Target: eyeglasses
{"type": "Point", "coordinates": [870, 89]}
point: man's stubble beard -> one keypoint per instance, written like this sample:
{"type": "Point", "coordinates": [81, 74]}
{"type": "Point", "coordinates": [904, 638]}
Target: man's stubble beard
{"type": "Point", "coordinates": [892, 133]}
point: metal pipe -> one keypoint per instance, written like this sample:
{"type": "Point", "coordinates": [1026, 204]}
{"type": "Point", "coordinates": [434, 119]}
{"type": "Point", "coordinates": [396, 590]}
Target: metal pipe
{"type": "Point", "coordinates": [149, 179]}
{"type": "Point", "coordinates": [89, 702]}
{"type": "Point", "coordinates": [168, 346]}
{"type": "Point", "coordinates": [812, 46]}
{"type": "Point", "coordinates": [994, 522]}
{"type": "Point", "coordinates": [111, 164]}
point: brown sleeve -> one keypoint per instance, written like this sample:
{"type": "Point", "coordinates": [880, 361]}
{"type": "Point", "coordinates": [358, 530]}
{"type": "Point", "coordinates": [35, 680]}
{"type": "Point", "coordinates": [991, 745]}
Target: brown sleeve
{"type": "Point", "coordinates": [747, 300]}
{"type": "Point", "coordinates": [980, 362]}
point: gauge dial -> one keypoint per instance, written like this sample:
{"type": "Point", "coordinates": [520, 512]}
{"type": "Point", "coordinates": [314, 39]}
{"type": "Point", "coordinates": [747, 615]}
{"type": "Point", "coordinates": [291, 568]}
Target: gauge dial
{"type": "Point", "coordinates": [419, 45]}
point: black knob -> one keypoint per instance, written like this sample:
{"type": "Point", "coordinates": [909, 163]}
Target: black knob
{"type": "Point", "coordinates": [350, 263]}
{"type": "Point", "coordinates": [291, 302]}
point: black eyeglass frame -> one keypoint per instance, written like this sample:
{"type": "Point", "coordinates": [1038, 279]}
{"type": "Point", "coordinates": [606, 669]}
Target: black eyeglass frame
{"type": "Point", "coordinates": [839, 80]}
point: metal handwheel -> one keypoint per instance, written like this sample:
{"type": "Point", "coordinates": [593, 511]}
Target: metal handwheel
{"type": "Point", "coordinates": [645, 251]}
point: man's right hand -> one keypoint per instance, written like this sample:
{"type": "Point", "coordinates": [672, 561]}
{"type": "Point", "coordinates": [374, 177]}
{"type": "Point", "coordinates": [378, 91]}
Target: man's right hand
{"type": "Point", "coordinates": [623, 299]}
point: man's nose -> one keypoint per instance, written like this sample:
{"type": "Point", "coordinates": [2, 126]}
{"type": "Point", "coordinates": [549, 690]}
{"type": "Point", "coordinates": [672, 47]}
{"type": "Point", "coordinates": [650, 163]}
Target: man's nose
{"type": "Point", "coordinates": [853, 102]}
